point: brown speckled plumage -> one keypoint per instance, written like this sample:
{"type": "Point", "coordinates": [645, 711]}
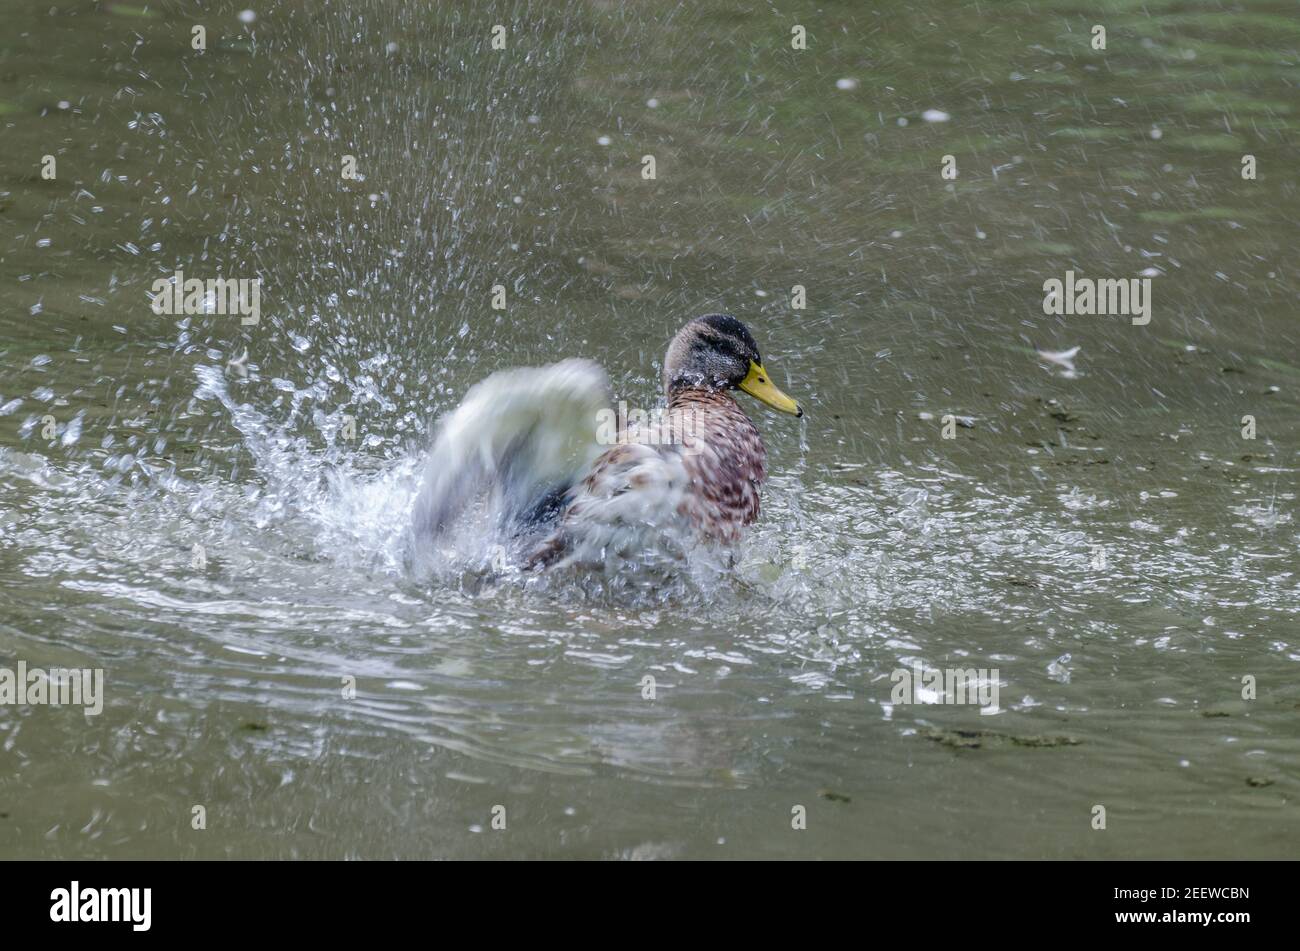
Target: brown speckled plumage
{"type": "Point", "coordinates": [704, 486]}
{"type": "Point", "coordinates": [725, 462]}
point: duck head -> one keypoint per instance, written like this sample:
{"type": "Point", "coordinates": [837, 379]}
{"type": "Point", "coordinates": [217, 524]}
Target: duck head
{"type": "Point", "coordinates": [717, 352]}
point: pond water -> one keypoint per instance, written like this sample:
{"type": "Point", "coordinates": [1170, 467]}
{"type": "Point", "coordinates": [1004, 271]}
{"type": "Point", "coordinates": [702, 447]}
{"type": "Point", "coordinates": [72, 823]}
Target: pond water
{"type": "Point", "coordinates": [184, 506]}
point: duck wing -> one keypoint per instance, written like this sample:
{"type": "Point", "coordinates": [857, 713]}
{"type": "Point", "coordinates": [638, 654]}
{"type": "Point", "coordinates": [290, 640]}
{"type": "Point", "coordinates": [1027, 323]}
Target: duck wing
{"type": "Point", "coordinates": [516, 445]}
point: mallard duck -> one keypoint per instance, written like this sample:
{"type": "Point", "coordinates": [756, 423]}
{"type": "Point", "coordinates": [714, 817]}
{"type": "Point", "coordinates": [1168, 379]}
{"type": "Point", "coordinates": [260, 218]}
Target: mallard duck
{"type": "Point", "coordinates": [524, 444]}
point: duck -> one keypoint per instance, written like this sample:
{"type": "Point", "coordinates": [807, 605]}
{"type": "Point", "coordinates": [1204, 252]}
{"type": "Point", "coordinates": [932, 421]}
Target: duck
{"type": "Point", "coordinates": [531, 452]}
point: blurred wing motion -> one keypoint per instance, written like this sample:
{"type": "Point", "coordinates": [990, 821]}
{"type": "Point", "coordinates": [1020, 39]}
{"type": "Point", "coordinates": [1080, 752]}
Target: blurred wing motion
{"type": "Point", "coordinates": [513, 450]}
{"type": "Point", "coordinates": [628, 506]}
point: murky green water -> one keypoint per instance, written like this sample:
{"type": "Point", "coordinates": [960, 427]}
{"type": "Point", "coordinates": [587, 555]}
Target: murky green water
{"type": "Point", "coordinates": [1104, 537]}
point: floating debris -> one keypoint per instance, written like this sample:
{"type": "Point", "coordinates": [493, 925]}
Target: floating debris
{"type": "Point", "coordinates": [979, 739]}
{"type": "Point", "coordinates": [1061, 358]}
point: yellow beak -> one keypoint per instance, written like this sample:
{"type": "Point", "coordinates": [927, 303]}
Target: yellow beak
{"type": "Point", "coordinates": [757, 385]}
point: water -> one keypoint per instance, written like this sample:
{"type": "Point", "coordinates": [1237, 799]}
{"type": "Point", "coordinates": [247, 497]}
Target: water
{"type": "Point", "coordinates": [1103, 536]}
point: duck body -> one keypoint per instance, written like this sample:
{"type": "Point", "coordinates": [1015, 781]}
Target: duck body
{"type": "Point", "coordinates": [726, 462]}
{"type": "Point", "coordinates": [701, 484]}
{"type": "Point", "coordinates": [524, 445]}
